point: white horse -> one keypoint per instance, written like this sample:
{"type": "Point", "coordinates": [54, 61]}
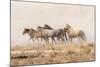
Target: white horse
{"type": "Point", "coordinates": [72, 33]}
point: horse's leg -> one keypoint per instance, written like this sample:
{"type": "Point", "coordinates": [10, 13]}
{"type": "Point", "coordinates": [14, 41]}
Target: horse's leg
{"type": "Point", "coordinates": [41, 39]}
{"type": "Point", "coordinates": [71, 39]}
{"type": "Point", "coordinates": [62, 37]}
{"type": "Point", "coordinates": [38, 40]}
{"type": "Point", "coordinates": [53, 39]}
{"type": "Point", "coordinates": [32, 39]}
{"type": "Point", "coordinates": [46, 39]}
{"type": "Point", "coordinates": [66, 37]}
{"type": "Point", "coordinates": [58, 39]}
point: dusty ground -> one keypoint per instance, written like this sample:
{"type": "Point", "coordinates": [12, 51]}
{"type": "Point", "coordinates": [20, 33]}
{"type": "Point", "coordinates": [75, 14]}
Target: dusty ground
{"type": "Point", "coordinates": [52, 53]}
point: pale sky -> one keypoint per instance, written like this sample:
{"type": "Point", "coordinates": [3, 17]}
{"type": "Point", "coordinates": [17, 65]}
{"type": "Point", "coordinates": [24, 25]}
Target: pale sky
{"type": "Point", "coordinates": [30, 15]}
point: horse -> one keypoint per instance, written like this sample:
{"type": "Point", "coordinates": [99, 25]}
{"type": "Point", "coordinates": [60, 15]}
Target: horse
{"type": "Point", "coordinates": [50, 32]}
{"type": "Point", "coordinates": [33, 34]}
{"type": "Point", "coordinates": [74, 33]}
{"type": "Point", "coordinates": [59, 32]}
{"type": "Point", "coordinates": [26, 30]}
{"type": "Point", "coordinates": [47, 33]}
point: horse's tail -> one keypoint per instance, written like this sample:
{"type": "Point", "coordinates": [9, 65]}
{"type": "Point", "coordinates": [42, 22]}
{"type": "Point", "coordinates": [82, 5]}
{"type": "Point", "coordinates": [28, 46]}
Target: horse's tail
{"type": "Point", "coordinates": [83, 36]}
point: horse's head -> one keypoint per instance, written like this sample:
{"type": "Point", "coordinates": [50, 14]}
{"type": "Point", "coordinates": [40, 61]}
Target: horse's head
{"type": "Point", "coordinates": [26, 30]}
{"type": "Point", "coordinates": [47, 27]}
{"type": "Point", "coordinates": [67, 27]}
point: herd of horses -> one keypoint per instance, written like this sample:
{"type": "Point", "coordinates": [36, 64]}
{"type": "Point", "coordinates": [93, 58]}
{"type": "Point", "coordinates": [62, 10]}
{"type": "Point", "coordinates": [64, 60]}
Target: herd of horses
{"type": "Point", "coordinates": [47, 32]}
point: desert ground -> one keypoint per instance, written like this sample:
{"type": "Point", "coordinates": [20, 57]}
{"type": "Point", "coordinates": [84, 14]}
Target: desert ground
{"type": "Point", "coordinates": [52, 53]}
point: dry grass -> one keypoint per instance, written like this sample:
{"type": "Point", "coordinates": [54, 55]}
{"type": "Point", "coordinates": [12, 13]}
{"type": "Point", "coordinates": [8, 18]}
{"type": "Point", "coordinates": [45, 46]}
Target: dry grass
{"type": "Point", "coordinates": [48, 54]}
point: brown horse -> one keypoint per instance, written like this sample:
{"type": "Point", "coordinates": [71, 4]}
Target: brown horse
{"type": "Point", "coordinates": [33, 34]}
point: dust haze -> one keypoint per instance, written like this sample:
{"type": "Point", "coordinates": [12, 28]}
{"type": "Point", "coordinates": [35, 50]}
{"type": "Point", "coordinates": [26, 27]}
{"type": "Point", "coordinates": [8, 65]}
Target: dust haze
{"type": "Point", "coordinates": [30, 15]}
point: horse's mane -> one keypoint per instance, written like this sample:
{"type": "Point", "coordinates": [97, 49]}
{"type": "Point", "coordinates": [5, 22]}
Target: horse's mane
{"type": "Point", "coordinates": [32, 29]}
{"type": "Point", "coordinates": [40, 27]}
{"type": "Point", "coordinates": [26, 29]}
{"type": "Point", "coordinates": [47, 27]}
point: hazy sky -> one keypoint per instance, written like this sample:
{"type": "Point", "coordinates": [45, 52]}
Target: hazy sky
{"type": "Point", "coordinates": [30, 15]}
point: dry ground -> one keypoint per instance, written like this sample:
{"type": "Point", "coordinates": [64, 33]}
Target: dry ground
{"type": "Point", "coordinates": [52, 53]}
